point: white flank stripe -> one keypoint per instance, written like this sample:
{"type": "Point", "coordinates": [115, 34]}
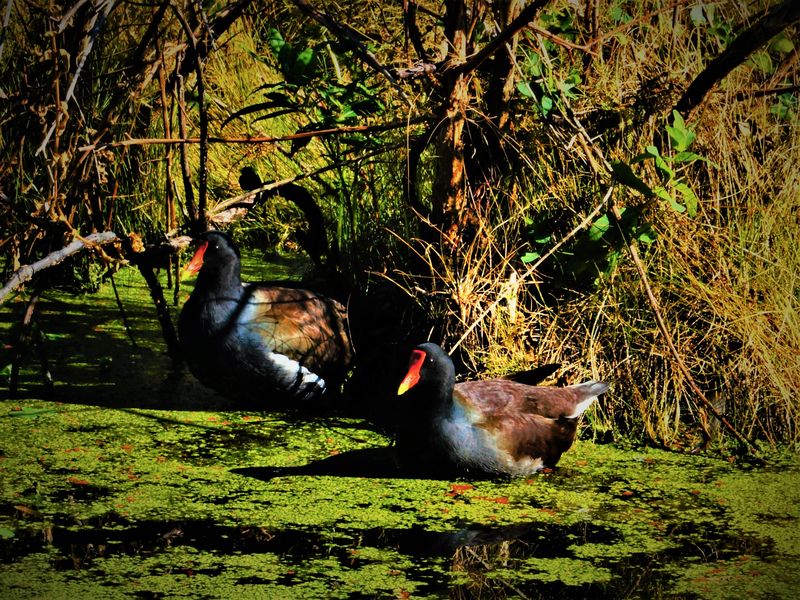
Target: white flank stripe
{"type": "Point", "coordinates": [294, 375]}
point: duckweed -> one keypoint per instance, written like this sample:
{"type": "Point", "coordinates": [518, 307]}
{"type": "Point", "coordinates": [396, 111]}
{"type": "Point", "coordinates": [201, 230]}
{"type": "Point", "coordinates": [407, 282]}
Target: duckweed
{"type": "Point", "coordinates": [135, 481]}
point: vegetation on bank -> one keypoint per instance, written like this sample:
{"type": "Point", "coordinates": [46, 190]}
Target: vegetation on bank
{"type": "Point", "coordinates": [607, 185]}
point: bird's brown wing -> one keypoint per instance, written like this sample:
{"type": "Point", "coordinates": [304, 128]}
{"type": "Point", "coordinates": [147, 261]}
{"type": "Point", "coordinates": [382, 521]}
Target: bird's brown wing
{"type": "Point", "coordinates": [525, 421]}
{"type": "Point", "coordinates": [499, 398]}
{"type": "Point", "coordinates": [305, 326]}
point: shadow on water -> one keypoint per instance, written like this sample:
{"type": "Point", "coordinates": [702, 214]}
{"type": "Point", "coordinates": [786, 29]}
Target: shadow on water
{"type": "Point", "coordinates": [367, 462]}
{"type": "Point", "coordinates": [378, 463]}
{"type": "Point", "coordinates": [93, 362]}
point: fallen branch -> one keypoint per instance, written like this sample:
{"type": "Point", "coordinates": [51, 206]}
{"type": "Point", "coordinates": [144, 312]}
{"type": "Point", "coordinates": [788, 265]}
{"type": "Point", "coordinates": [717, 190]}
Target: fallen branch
{"type": "Point", "coordinates": [26, 272]}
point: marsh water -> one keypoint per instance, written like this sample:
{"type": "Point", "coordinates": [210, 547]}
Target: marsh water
{"type": "Point", "coordinates": [134, 481]}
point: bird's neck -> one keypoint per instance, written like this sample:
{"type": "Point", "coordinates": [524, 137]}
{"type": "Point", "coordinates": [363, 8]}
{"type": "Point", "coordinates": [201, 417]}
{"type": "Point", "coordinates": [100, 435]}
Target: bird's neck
{"type": "Point", "coordinates": [436, 397]}
{"type": "Point", "coordinates": [224, 282]}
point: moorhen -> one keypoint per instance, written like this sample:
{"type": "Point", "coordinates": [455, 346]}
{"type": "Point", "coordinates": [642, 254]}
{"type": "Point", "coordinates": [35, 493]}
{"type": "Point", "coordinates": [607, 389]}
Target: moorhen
{"type": "Point", "coordinates": [495, 426]}
{"type": "Point", "coordinates": [255, 341]}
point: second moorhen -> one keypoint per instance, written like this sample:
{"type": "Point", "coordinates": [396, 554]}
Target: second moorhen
{"type": "Point", "coordinates": [495, 426]}
{"type": "Point", "coordinates": [269, 344]}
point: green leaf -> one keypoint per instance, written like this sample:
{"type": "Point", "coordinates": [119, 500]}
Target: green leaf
{"type": "Point", "coordinates": [696, 14]}
{"type": "Point", "coordinates": [682, 157]}
{"type": "Point", "coordinates": [646, 237]}
{"type": "Point", "coordinates": [276, 41]}
{"type": "Point", "coordinates": [780, 110]}
{"type": "Point", "coordinates": [27, 412]}
{"type": "Point", "coordinates": [305, 58]}
{"type": "Point", "coordinates": [524, 88]}
{"type": "Point", "coordinates": [547, 104]}
{"type": "Point", "coordinates": [689, 198]}
{"type": "Point", "coordinates": [661, 164]}
{"type": "Point", "coordinates": [534, 64]}
{"type": "Point", "coordinates": [677, 120]}
{"type": "Point", "coordinates": [530, 257]}
{"type": "Point", "coordinates": [781, 44]}
{"type": "Point", "coordinates": [618, 14]}
{"type": "Point", "coordinates": [599, 228]}
{"type": "Point", "coordinates": [762, 61]}
{"type": "Point", "coordinates": [625, 175]}
{"type": "Point", "coordinates": [665, 195]}
{"type": "Point", "coordinates": [566, 89]}
{"type": "Point", "coordinates": [6, 533]}
{"type": "Point", "coordinates": [681, 136]}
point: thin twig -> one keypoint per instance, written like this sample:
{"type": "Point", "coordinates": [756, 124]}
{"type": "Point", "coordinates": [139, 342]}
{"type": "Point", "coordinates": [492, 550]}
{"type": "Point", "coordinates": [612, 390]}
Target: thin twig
{"type": "Point", "coordinates": [637, 21]}
{"type": "Point", "coordinates": [350, 36]}
{"type": "Point", "coordinates": [525, 17]}
{"type": "Point", "coordinates": [246, 200]}
{"type": "Point", "coordinates": [188, 190]}
{"type": "Point", "coordinates": [96, 20]}
{"type": "Point", "coordinates": [788, 89]}
{"type": "Point", "coordinates": [561, 41]}
{"type": "Point", "coordinates": [662, 326]}
{"type": "Point", "coordinates": [183, 139]}
{"type": "Point", "coordinates": [202, 184]}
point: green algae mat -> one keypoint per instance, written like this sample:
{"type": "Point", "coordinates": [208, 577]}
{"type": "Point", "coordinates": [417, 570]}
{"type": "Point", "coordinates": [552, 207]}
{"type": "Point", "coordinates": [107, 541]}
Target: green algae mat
{"type": "Point", "coordinates": [136, 482]}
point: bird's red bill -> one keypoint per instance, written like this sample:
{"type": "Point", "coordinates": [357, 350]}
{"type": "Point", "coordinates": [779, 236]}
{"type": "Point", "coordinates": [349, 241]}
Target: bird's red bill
{"type": "Point", "coordinates": [197, 260]}
{"type": "Point", "coordinates": [412, 377]}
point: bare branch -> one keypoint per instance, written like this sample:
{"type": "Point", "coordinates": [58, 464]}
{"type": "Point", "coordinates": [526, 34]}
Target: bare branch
{"type": "Point", "coordinates": [26, 272]}
{"type": "Point", "coordinates": [526, 16]}
{"type": "Point", "coordinates": [748, 41]}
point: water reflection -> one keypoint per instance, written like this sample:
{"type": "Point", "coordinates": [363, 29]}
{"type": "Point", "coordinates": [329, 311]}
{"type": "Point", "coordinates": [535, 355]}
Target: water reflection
{"type": "Point", "coordinates": [528, 560]}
